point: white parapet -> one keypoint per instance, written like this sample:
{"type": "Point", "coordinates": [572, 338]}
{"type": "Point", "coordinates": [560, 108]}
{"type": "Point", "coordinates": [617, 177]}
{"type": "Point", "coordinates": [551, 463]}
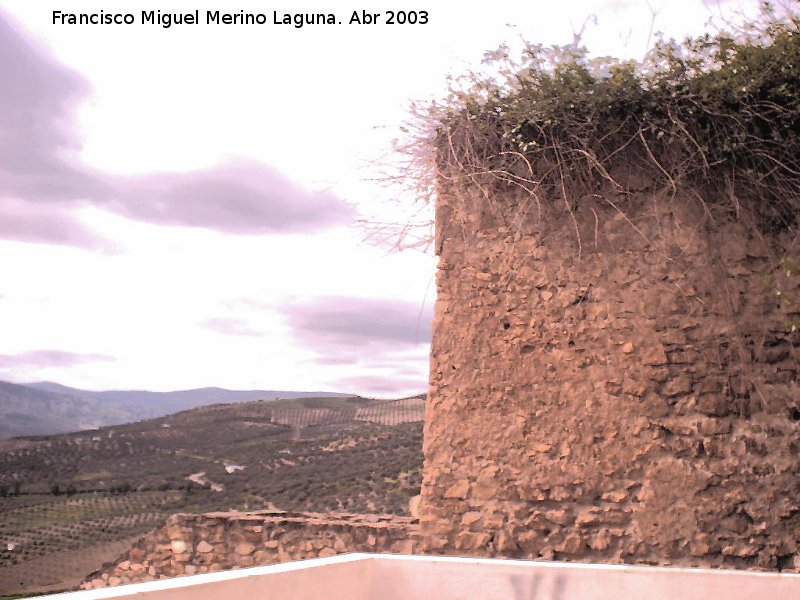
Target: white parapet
{"type": "Point", "coordinates": [395, 577]}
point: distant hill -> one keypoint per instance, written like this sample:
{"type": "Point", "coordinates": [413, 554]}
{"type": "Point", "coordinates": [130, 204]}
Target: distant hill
{"type": "Point", "coordinates": [47, 408]}
{"type": "Point", "coordinates": [28, 411]}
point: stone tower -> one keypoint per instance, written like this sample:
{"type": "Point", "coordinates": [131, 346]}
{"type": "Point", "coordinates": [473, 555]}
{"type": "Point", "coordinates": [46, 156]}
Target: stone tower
{"type": "Point", "coordinates": [612, 381]}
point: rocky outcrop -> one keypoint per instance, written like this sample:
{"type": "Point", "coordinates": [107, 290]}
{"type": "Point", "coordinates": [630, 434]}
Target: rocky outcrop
{"type": "Point", "coordinates": [190, 544]}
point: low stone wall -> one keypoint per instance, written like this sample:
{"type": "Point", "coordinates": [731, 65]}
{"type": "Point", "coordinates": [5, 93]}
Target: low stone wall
{"type": "Point", "coordinates": [189, 544]}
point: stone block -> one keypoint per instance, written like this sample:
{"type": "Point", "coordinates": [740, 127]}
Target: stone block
{"type": "Point", "coordinates": [244, 549]}
{"type": "Point", "coordinates": [459, 489]}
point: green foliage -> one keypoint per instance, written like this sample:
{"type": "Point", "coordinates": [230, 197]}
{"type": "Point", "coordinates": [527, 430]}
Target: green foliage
{"type": "Point", "coordinates": [718, 114]}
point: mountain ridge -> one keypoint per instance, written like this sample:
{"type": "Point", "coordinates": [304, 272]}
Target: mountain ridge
{"type": "Point", "coordinates": [45, 408]}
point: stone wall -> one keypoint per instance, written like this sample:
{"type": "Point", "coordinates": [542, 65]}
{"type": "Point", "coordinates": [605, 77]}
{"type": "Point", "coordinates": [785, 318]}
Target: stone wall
{"type": "Point", "coordinates": [616, 382]}
{"type": "Point", "coordinates": [190, 544]}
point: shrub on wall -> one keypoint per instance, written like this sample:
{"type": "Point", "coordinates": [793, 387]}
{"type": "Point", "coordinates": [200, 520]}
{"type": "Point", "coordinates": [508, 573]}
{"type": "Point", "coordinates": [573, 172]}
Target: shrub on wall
{"type": "Point", "coordinates": [716, 116]}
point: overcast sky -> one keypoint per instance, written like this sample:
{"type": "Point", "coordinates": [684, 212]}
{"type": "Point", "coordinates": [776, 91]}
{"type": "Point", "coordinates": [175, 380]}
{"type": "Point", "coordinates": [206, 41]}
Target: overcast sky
{"type": "Point", "coordinates": [180, 207]}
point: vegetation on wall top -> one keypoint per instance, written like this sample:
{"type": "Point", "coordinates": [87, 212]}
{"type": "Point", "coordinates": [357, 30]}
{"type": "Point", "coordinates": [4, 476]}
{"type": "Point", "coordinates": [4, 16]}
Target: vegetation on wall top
{"type": "Point", "coordinates": [716, 116]}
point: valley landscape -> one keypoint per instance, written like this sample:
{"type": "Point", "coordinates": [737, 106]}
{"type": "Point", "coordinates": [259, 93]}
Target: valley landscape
{"type": "Point", "coordinates": [45, 408]}
{"type": "Point", "coordinates": [70, 502]}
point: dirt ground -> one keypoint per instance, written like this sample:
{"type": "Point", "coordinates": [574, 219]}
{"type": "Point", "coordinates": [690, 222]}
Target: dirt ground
{"type": "Point", "coordinates": [54, 573]}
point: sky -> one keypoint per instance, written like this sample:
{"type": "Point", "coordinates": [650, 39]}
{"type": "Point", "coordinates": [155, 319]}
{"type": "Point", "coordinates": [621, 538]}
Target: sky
{"type": "Point", "coordinates": [191, 206]}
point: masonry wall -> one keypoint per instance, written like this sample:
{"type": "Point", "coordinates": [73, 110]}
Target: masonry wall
{"type": "Point", "coordinates": [612, 383]}
{"type": "Point", "coordinates": [188, 544]}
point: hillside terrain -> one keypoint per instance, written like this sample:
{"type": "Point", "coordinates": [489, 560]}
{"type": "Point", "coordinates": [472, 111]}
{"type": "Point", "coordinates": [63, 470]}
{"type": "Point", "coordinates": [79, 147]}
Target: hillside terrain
{"type": "Point", "coordinates": [70, 502]}
{"type": "Point", "coordinates": [26, 410]}
{"type": "Point", "coordinates": [47, 408]}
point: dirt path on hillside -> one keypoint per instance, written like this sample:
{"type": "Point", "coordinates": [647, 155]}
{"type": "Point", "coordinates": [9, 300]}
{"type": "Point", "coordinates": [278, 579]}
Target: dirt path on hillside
{"type": "Point", "coordinates": [201, 479]}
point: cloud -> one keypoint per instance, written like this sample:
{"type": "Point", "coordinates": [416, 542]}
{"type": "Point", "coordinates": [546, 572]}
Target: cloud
{"type": "Point", "coordinates": [42, 359]}
{"type": "Point", "coordinates": [231, 326]}
{"type": "Point", "coordinates": [40, 170]}
{"type": "Point", "coordinates": [385, 342]}
{"type": "Point", "coordinates": [241, 197]}
{"type": "Point", "coordinates": [37, 147]}
{"type": "Point", "coordinates": [382, 385]}
{"type": "Point", "coordinates": [333, 322]}
{"type": "Point", "coordinates": [37, 140]}
{"type": "Point", "coordinates": [337, 360]}
{"type": "Point", "coordinates": [48, 224]}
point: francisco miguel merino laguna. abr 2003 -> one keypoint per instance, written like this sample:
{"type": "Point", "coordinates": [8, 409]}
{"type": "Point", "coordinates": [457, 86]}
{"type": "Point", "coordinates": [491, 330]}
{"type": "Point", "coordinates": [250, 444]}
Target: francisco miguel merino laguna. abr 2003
{"type": "Point", "coordinates": [212, 17]}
